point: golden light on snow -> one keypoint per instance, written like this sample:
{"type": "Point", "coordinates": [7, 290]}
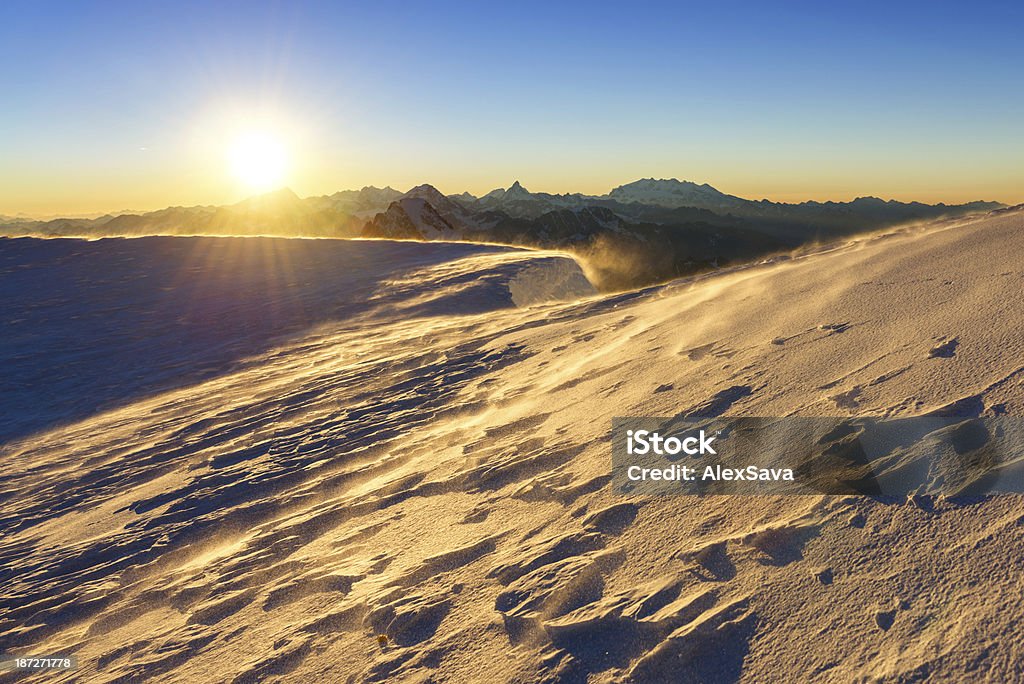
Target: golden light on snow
{"type": "Point", "coordinates": [258, 160]}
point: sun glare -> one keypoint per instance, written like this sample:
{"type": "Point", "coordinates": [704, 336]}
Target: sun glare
{"type": "Point", "coordinates": [258, 160]}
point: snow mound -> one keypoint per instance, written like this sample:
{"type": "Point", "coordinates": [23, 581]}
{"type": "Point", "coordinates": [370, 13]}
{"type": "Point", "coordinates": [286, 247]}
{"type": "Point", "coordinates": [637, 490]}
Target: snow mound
{"type": "Point", "coordinates": [119, 318]}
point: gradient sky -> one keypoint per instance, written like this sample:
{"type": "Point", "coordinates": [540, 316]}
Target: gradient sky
{"type": "Point", "coordinates": [110, 106]}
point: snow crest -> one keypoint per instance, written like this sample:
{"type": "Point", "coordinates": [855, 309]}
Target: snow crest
{"type": "Point", "coordinates": [549, 279]}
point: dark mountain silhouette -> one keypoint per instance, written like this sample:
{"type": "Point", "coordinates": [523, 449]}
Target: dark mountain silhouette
{"type": "Point", "coordinates": [638, 233]}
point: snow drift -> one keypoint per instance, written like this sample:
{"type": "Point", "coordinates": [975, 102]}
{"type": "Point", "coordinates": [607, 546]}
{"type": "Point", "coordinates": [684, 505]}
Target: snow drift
{"type": "Point", "coordinates": [416, 486]}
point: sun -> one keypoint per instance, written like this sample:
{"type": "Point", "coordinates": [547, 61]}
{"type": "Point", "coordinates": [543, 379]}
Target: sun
{"type": "Point", "coordinates": [258, 160]}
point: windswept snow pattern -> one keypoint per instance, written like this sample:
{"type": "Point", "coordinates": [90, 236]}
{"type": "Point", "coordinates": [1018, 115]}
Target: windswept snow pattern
{"type": "Point", "coordinates": [410, 480]}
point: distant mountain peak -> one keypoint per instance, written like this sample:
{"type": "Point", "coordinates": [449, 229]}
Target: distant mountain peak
{"type": "Point", "coordinates": [672, 192]}
{"type": "Point", "coordinates": [274, 197]}
{"type": "Point", "coordinates": [667, 184]}
{"type": "Point", "coordinates": [424, 190]}
{"type": "Point", "coordinates": [280, 193]}
{"type": "Point", "coordinates": [517, 190]}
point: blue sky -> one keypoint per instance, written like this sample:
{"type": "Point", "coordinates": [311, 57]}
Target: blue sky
{"type": "Point", "coordinates": [112, 105]}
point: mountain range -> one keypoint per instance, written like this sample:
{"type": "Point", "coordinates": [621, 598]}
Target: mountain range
{"type": "Point", "coordinates": [638, 233]}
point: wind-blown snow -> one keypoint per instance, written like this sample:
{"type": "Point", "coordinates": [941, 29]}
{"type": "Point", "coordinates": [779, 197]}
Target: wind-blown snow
{"type": "Point", "coordinates": [432, 467]}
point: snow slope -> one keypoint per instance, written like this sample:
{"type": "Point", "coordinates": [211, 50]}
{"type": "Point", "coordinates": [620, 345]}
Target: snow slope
{"type": "Point", "coordinates": [433, 468]}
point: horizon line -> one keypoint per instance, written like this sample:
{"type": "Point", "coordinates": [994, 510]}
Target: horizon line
{"type": "Point", "coordinates": [85, 215]}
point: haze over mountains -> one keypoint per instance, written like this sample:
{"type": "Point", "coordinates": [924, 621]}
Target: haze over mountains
{"type": "Point", "coordinates": [641, 232]}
